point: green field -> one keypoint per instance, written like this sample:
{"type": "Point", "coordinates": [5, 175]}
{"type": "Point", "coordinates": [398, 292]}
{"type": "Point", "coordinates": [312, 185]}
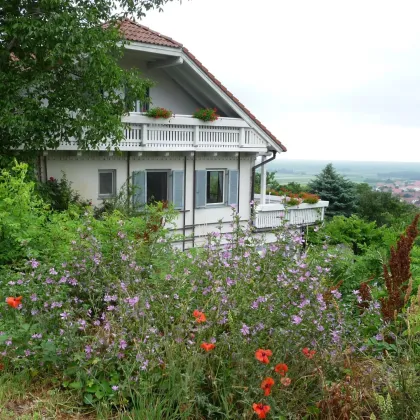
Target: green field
{"type": "Point", "coordinates": [303, 171]}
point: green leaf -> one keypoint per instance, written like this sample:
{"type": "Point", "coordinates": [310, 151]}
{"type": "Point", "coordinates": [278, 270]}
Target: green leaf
{"type": "Point", "coordinates": [88, 399]}
{"type": "Point", "coordinates": [76, 385]}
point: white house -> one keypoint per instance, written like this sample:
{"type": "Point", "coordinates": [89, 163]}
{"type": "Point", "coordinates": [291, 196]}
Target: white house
{"type": "Point", "coordinates": [202, 167]}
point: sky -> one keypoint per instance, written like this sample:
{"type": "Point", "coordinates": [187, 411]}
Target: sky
{"type": "Point", "coordinates": [333, 80]}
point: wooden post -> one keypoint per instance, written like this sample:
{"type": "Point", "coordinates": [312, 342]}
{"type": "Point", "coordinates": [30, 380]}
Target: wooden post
{"type": "Point", "coordinates": [241, 137]}
{"type": "Point", "coordinates": [263, 182]}
{"type": "Point", "coordinates": [144, 135]}
{"type": "Point", "coordinates": [196, 135]}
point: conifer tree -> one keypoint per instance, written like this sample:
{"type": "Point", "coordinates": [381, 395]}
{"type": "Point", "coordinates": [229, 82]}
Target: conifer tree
{"type": "Point", "coordinates": [336, 189]}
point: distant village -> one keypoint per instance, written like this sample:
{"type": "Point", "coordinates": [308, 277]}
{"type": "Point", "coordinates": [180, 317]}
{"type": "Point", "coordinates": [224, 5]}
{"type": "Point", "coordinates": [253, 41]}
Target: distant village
{"type": "Point", "coordinates": [408, 191]}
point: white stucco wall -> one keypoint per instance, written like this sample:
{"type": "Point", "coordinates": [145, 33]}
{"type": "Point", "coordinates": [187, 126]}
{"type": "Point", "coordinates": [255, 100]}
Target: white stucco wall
{"type": "Point", "coordinates": [82, 171]}
{"type": "Point", "coordinates": [166, 93]}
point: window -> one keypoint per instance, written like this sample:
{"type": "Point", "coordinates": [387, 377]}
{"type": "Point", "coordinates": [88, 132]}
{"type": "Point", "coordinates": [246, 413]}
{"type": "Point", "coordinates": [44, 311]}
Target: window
{"type": "Point", "coordinates": [215, 187]}
{"type": "Point", "coordinates": [107, 184]}
{"type": "Point", "coordinates": [157, 186]}
{"type": "Point", "coordinates": [151, 186]}
{"type": "Point", "coordinates": [140, 106]}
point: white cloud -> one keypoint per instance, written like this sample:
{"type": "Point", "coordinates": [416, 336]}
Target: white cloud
{"type": "Point", "coordinates": [332, 79]}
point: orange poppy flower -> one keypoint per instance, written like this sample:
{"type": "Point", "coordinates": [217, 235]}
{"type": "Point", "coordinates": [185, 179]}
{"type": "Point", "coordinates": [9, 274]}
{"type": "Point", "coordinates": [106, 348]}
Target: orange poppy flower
{"type": "Point", "coordinates": [285, 381]}
{"type": "Point", "coordinates": [14, 302]}
{"type": "Point", "coordinates": [207, 346]}
{"type": "Point", "coordinates": [281, 369]}
{"type": "Point", "coordinates": [261, 410]}
{"type": "Point", "coordinates": [199, 316]}
{"type": "Point", "coordinates": [309, 354]}
{"type": "Point", "coordinates": [263, 355]}
{"type": "Point", "coordinates": [266, 385]}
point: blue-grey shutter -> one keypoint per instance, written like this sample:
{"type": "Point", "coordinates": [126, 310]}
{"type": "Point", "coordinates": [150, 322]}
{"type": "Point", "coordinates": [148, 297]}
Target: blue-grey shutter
{"type": "Point", "coordinates": [200, 189]}
{"type": "Point", "coordinates": [139, 188]}
{"type": "Point", "coordinates": [233, 188]}
{"type": "Point", "coordinates": [178, 189]}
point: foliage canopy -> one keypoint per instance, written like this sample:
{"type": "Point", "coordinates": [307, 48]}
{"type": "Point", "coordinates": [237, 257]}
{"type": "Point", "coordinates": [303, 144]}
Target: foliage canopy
{"type": "Point", "coordinates": [60, 76]}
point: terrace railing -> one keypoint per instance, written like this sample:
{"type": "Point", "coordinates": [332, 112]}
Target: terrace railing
{"type": "Point", "coordinates": [183, 132]}
{"type": "Point", "coordinates": [274, 213]}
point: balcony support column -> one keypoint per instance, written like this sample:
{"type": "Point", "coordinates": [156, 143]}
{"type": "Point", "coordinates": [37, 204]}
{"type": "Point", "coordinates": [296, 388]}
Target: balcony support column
{"type": "Point", "coordinates": [144, 135]}
{"type": "Point", "coordinates": [263, 181]}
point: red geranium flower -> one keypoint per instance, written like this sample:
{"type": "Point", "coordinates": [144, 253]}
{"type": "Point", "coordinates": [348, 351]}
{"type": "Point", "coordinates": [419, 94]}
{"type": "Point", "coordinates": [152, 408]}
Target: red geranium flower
{"type": "Point", "coordinates": [199, 316]}
{"type": "Point", "coordinates": [309, 354]}
{"type": "Point", "coordinates": [14, 302]}
{"type": "Point", "coordinates": [263, 355]}
{"type": "Point", "coordinates": [281, 369]}
{"type": "Point", "coordinates": [266, 385]}
{"type": "Point", "coordinates": [207, 346]}
{"type": "Point", "coordinates": [261, 410]}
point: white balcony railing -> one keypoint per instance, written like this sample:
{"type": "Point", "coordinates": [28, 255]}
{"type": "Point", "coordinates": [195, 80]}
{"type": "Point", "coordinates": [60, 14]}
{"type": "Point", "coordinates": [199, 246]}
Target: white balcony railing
{"type": "Point", "coordinates": [275, 213]}
{"type": "Point", "coordinates": [183, 132]}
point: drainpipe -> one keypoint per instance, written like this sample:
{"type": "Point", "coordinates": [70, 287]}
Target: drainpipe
{"type": "Point", "coordinates": [194, 202]}
{"type": "Point", "coordinates": [253, 179]}
{"type": "Point", "coordinates": [128, 181]}
{"type": "Point", "coordinates": [239, 179]}
{"type": "Point", "coordinates": [185, 203]}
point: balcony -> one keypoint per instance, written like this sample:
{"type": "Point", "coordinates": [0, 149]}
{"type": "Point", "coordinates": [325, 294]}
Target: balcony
{"type": "Point", "coordinates": [273, 213]}
{"type": "Point", "coordinates": [184, 133]}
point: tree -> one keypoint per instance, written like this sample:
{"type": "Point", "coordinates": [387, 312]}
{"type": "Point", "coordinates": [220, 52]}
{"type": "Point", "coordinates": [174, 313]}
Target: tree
{"type": "Point", "coordinates": [271, 181]}
{"type": "Point", "coordinates": [60, 76]}
{"type": "Point", "coordinates": [382, 207]}
{"type": "Point", "coordinates": [336, 189]}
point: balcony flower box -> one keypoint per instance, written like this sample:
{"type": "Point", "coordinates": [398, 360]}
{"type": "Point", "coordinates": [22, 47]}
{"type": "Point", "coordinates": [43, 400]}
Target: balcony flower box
{"type": "Point", "coordinates": [206, 114]}
{"type": "Point", "coordinates": [158, 112]}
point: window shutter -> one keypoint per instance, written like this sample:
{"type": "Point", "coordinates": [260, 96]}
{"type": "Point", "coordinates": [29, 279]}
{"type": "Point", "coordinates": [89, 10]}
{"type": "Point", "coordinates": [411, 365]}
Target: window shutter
{"type": "Point", "coordinates": [178, 189]}
{"type": "Point", "coordinates": [200, 189]}
{"type": "Point", "coordinates": [139, 188]}
{"type": "Point", "coordinates": [233, 188]}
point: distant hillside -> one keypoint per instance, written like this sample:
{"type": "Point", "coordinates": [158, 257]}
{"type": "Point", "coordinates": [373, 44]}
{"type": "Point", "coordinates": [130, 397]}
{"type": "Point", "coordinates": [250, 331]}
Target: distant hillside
{"type": "Point", "coordinates": [303, 171]}
{"type": "Point", "coordinates": [401, 175]}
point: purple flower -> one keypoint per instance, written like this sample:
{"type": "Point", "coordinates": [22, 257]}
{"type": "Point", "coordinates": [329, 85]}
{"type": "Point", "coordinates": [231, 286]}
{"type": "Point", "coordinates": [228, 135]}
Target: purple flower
{"type": "Point", "coordinates": [53, 272]}
{"type": "Point", "coordinates": [296, 319]}
{"type": "Point", "coordinates": [245, 329]}
{"type": "Point", "coordinates": [34, 263]}
{"type": "Point", "coordinates": [114, 387]}
{"type": "Point", "coordinates": [132, 301]}
{"type": "Point", "coordinates": [336, 293]}
{"type": "Point", "coordinates": [230, 282]}
{"type": "Point", "coordinates": [123, 344]}
{"type": "Point", "coordinates": [72, 281]}
{"type": "Point", "coordinates": [64, 315]}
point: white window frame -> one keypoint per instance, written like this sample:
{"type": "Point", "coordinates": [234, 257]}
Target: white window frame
{"type": "Point", "coordinates": [223, 202]}
{"type": "Point", "coordinates": [114, 183]}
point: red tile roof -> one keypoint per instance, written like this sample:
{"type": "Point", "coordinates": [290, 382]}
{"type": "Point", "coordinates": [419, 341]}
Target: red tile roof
{"type": "Point", "coordinates": [133, 31]}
